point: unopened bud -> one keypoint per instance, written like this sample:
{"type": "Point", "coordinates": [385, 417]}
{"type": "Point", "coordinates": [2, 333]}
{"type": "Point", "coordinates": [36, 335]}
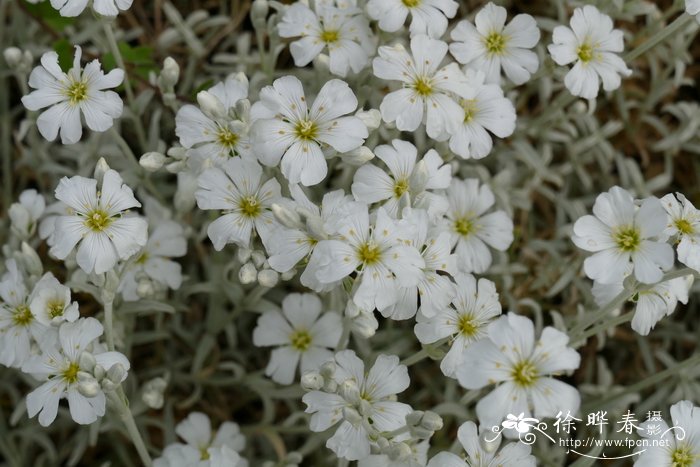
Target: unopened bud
{"type": "Point", "coordinates": [145, 288]}
{"type": "Point", "coordinates": [244, 254]}
{"type": "Point", "coordinates": [268, 278]}
{"type": "Point", "coordinates": [399, 452]}
{"type": "Point", "coordinates": [100, 169]}
{"type": "Point", "coordinates": [117, 373]}
{"type": "Point", "coordinates": [211, 105]}
{"type": "Point", "coordinates": [31, 260]}
{"type": "Point", "coordinates": [89, 387]}
{"type": "Point", "coordinates": [247, 274]}
{"type": "Point", "coordinates": [170, 74]}
{"type": "Point", "coordinates": [13, 56]}
{"type": "Point", "coordinates": [349, 391]}
{"type": "Point", "coordinates": [152, 161]}
{"type": "Point", "coordinates": [311, 381]}
{"type": "Point", "coordinates": [372, 118]}
{"type": "Point", "coordinates": [87, 361]}
{"type": "Point", "coordinates": [258, 258]}
{"type": "Point", "coordinates": [330, 386]}
{"type": "Point", "coordinates": [328, 369]}
{"type": "Point", "coordinates": [99, 372]}
{"type": "Point", "coordinates": [152, 394]}
{"type": "Point", "coordinates": [258, 13]}
{"type": "Point", "coordinates": [358, 156]}
{"type": "Point", "coordinates": [420, 176]}
{"type": "Point", "coordinates": [431, 421]}
{"type": "Point", "coordinates": [414, 418]}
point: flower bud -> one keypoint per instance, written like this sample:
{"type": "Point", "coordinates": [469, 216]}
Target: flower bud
{"type": "Point", "coordinates": [100, 168]}
{"type": "Point", "coordinates": [399, 452]}
{"type": "Point", "coordinates": [152, 161]}
{"type": "Point", "coordinates": [431, 421]}
{"type": "Point", "coordinates": [311, 381]}
{"type": "Point", "coordinates": [352, 416]}
{"type": "Point", "coordinates": [13, 56]}
{"type": "Point", "coordinates": [211, 105]}
{"type": "Point", "coordinates": [108, 385]}
{"type": "Point", "coordinates": [294, 458]}
{"type": "Point", "coordinates": [87, 362]}
{"type": "Point", "coordinates": [289, 275]}
{"type": "Point", "coordinates": [350, 391]}
{"type": "Point", "coordinates": [372, 118]}
{"type": "Point", "coordinates": [268, 278]}
{"type": "Point", "coordinates": [117, 373]}
{"type": "Point", "coordinates": [258, 13]}
{"type": "Point", "coordinates": [414, 418]}
{"type": "Point", "coordinates": [99, 372]}
{"type": "Point", "coordinates": [170, 74]}
{"type": "Point", "coordinates": [258, 258]}
{"type": "Point", "coordinates": [330, 386]}
{"type": "Point", "coordinates": [420, 176]}
{"type": "Point", "coordinates": [247, 274]}
{"type": "Point", "coordinates": [358, 156]}
{"type": "Point", "coordinates": [419, 432]}
{"type": "Point", "coordinates": [244, 254]}
{"type": "Point", "coordinates": [328, 369]}
{"type": "Point", "coordinates": [152, 394]}
{"type": "Point", "coordinates": [145, 288]}
{"type": "Point", "coordinates": [89, 387]}
{"type": "Point", "coordinates": [31, 260]}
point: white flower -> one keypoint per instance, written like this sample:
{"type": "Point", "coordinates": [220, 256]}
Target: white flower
{"type": "Point", "coordinates": [238, 191]}
{"type": "Point", "coordinates": [428, 16]}
{"type": "Point", "coordinates": [692, 7]}
{"type": "Point", "coordinates": [652, 304]}
{"type": "Point", "coordinates": [166, 241]}
{"type": "Point", "coordinates": [417, 458]}
{"type": "Point", "coordinates": [684, 225]}
{"type": "Point", "coordinates": [465, 322]}
{"type": "Point", "coordinates": [25, 215]}
{"type": "Point", "coordinates": [203, 449]}
{"type": "Point", "coordinates": [426, 95]}
{"type": "Point", "coordinates": [618, 233]}
{"type": "Point", "coordinates": [217, 133]}
{"type": "Point", "coordinates": [102, 7]}
{"type": "Point", "coordinates": [408, 181]}
{"type": "Point", "coordinates": [434, 289]}
{"type": "Point", "coordinates": [593, 45]}
{"type": "Point", "coordinates": [290, 244]}
{"type": "Point", "coordinates": [366, 401]}
{"type": "Point", "coordinates": [473, 231]}
{"type": "Point", "coordinates": [60, 366]}
{"type": "Point", "coordinates": [69, 95]}
{"type": "Point", "coordinates": [301, 334]}
{"type": "Point", "coordinates": [97, 223]}
{"type": "Point", "coordinates": [511, 356]}
{"type": "Point", "coordinates": [675, 446]}
{"type": "Point", "coordinates": [511, 455]}
{"type": "Point", "coordinates": [287, 130]}
{"type": "Point", "coordinates": [382, 261]}
{"type": "Point", "coordinates": [492, 45]}
{"type": "Point", "coordinates": [488, 110]}
{"type": "Point", "coordinates": [343, 32]}
{"type": "Point", "coordinates": [51, 302]}
{"type": "Point", "coordinates": [18, 327]}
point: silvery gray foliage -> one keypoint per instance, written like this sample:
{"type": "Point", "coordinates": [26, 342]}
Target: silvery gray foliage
{"type": "Point", "coordinates": [348, 232]}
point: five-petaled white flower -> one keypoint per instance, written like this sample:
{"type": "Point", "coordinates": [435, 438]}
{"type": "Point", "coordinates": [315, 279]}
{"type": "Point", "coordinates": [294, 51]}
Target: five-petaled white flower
{"type": "Point", "coordinates": [102, 7]}
{"type": "Point", "coordinates": [488, 110]}
{"type": "Point", "coordinates": [619, 233]}
{"type": "Point", "coordinates": [25, 214]}
{"type": "Point", "coordinates": [427, 92]}
{"type": "Point", "coordinates": [345, 33]}
{"type": "Point", "coordinates": [428, 16]}
{"type": "Point", "coordinates": [60, 366]}
{"type": "Point", "coordinates": [301, 333]}
{"type": "Point", "coordinates": [51, 302]}
{"type": "Point", "coordinates": [409, 181]}
{"type": "Point", "coordinates": [465, 322]}
{"type": "Point", "coordinates": [364, 399]}
{"type": "Point", "coordinates": [237, 189]}
{"type": "Point", "coordinates": [522, 365]}
{"type": "Point", "coordinates": [98, 222]}
{"type": "Point", "coordinates": [202, 448]}
{"type": "Point", "coordinates": [674, 446]}
{"type": "Point", "coordinates": [492, 45]}
{"type": "Point", "coordinates": [481, 454]}
{"type": "Point", "coordinates": [684, 226]}
{"type": "Point", "coordinates": [472, 229]}
{"type": "Point", "coordinates": [593, 45]}
{"type": "Point", "coordinates": [286, 130]}
{"type": "Point", "coordinates": [218, 129]}
{"type": "Point", "coordinates": [69, 94]}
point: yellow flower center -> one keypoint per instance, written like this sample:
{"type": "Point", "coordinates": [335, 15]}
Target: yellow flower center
{"type": "Point", "coordinates": [466, 325]}
{"type": "Point", "coordinates": [76, 92]}
{"type": "Point", "coordinates": [627, 239]}
{"type": "Point", "coordinates": [585, 53]}
{"type": "Point", "coordinates": [227, 138]}
{"type": "Point", "coordinates": [22, 316]}
{"type": "Point", "coordinates": [464, 226]}
{"type": "Point", "coordinates": [250, 206]}
{"type": "Point", "coordinates": [401, 187]}
{"type": "Point", "coordinates": [423, 86]}
{"type": "Point", "coordinates": [143, 258]}
{"type": "Point", "coordinates": [684, 227]}
{"type": "Point", "coordinates": [682, 457]}
{"type": "Point", "coordinates": [330, 36]}
{"type": "Point", "coordinates": [411, 3]}
{"type": "Point", "coordinates": [301, 340]}
{"type": "Point", "coordinates": [70, 374]}
{"type": "Point", "coordinates": [524, 374]}
{"type": "Point", "coordinates": [306, 130]}
{"type": "Point", "coordinates": [204, 453]}
{"type": "Point", "coordinates": [470, 109]}
{"type": "Point", "coordinates": [495, 43]}
{"type": "Point", "coordinates": [55, 308]}
{"type": "Point", "coordinates": [97, 220]}
{"type": "Point", "coordinates": [369, 253]}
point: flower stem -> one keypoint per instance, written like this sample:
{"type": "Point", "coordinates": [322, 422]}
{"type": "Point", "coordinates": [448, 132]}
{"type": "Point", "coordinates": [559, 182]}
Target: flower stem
{"type": "Point", "coordinates": [122, 405]}
{"type": "Point", "coordinates": [678, 24]}
{"type": "Point", "coordinates": [423, 353]}
{"type": "Point", "coordinates": [108, 300]}
{"type": "Point", "coordinates": [605, 325]}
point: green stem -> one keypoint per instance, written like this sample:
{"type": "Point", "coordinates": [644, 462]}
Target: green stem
{"type": "Point", "coordinates": [605, 325]}
{"type": "Point", "coordinates": [122, 405]}
{"type": "Point", "coordinates": [678, 24]}
{"type": "Point", "coordinates": [108, 300]}
{"type": "Point", "coordinates": [423, 353]}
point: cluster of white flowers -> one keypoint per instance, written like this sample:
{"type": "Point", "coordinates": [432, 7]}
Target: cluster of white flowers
{"type": "Point", "coordinates": [343, 204]}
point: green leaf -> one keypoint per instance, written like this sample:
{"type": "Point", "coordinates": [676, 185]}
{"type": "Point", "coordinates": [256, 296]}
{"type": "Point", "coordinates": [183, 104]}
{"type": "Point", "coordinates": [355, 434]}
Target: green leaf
{"type": "Point", "coordinates": [65, 52]}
